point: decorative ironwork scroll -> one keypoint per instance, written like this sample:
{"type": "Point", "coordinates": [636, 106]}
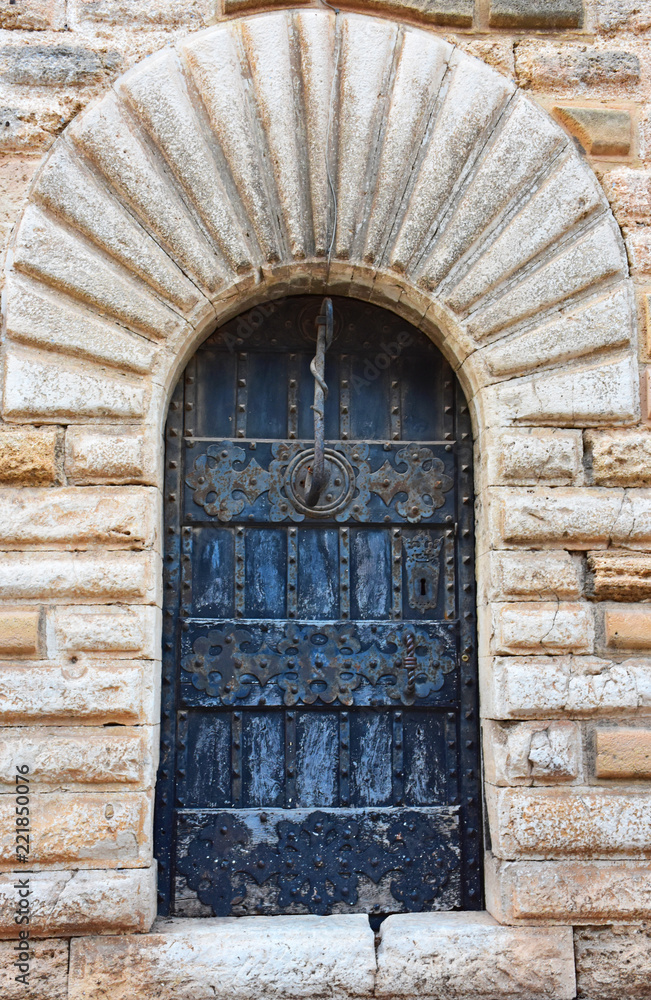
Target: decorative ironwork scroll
{"type": "Point", "coordinates": [318, 661]}
{"type": "Point", "coordinates": [412, 483]}
{"type": "Point", "coordinates": [317, 860]}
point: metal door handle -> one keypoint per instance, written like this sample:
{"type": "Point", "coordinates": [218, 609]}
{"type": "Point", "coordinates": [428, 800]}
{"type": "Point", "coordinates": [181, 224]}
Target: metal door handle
{"type": "Point", "coordinates": [410, 662]}
{"type": "Point", "coordinates": [324, 331]}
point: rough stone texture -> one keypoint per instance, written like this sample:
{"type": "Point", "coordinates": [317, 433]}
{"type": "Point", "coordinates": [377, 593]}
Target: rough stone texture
{"type": "Point", "coordinates": [119, 630]}
{"type": "Point", "coordinates": [629, 193]}
{"type": "Point", "coordinates": [535, 455]}
{"type": "Point", "coordinates": [193, 13]}
{"type": "Point", "coordinates": [531, 753]}
{"type": "Point", "coordinates": [99, 455]}
{"type": "Point", "coordinates": [33, 15]}
{"type": "Point", "coordinates": [535, 13]}
{"type": "Point", "coordinates": [72, 759]}
{"type": "Point", "coordinates": [613, 962]}
{"type": "Point", "coordinates": [77, 518]}
{"type": "Point", "coordinates": [28, 457]}
{"type": "Point", "coordinates": [575, 68]}
{"type": "Point", "coordinates": [81, 830]}
{"type": "Point", "coordinates": [623, 753]}
{"type": "Point", "coordinates": [545, 627]}
{"type": "Point", "coordinates": [237, 958]}
{"type": "Point", "coordinates": [70, 903]}
{"type": "Point", "coordinates": [620, 457]}
{"type": "Point", "coordinates": [550, 823]}
{"type": "Point", "coordinates": [628, 629]}
{"type": "Point", "coordinates": [53, 65]}
{"type": "Point", "coordinates": [453, 12]}
{"type": "Point", "coordinates": [86, 692]}
{"type": "Point", "coordinates": [533, 576]}
{"type": "Point", "coordinates": [620, 576]}
{"type": "Point", "coordinates": [601, 131]}
{"type": "Point", "coordinates": [20, 633]}
{"type": "Point", "coordinates": [542, 687]}
{"type": "Point", "coordinates": [80, 577]}
{"type": "Point", "coordinates": [568, 892]}
{"type": "Point", "coordinates": [576, 519]}
{"type": "Point", "coordinates": [467, 955]}
{"type": "Point", "coordinates": [48, 978]}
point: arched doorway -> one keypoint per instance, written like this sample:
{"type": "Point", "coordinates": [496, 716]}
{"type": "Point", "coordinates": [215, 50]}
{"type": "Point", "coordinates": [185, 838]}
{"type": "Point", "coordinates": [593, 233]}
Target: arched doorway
{"type": "Point", "coordinates": [320, 747]}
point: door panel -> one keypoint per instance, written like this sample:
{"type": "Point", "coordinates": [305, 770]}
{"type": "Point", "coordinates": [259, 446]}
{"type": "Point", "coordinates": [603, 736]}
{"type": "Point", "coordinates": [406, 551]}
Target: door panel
{"type": "Point", "coordinates": [319, 747]}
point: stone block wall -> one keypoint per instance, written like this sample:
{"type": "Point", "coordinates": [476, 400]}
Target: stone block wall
{"type": "Point", "coordinates": [98, 327]}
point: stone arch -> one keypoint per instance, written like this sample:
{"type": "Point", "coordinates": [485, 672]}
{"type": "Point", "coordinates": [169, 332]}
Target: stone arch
{"type": "Point", "coordinates": [202, 184]}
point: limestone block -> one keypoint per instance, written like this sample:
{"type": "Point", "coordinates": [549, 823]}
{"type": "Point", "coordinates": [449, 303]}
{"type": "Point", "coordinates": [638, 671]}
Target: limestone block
{"type": "Point", "coordinates": [104, 455]}
{"type": "Point", "coordinates": [117, 901]}
{"type": "Point", "coordinates": [20, 633]}
{"type": "Point", "coordinates": [617, 15]}
{"type": "Point", "coordinates": [37, 389]}
{"type": "Point", "coordinates": [535, 13]}
{"type": "Point", "coordinates": [468, 955]}
{"type": "Point", "coordinates": [620, 457]}
{"type": "Point", "coordinates": [239, 958]}
{"type": "Point", "coordinates": [82, 830]}
{"type": "Point", "coordinates": [601, 131]}
{"type": "Point", "coordinates": [37, 65]}
{"type": "Point", "coordinates": [531, 753]}
{"type": "Point", "coordinates": [628, 628]}
{"type": "Point", "coordinates": [552, 823]}
{"type": "Point", "coordinates": [79, 758]}
{"type": "Point", "coordinates": [567, 892]}
{"type": "Point", "coordinates": [48, 975]}
{"type": "Point", "coordinates": [534, 455]}
{"type": "Point", "coordinates": [587, 396]}
{"type": "Point", "coordinates": [452, 12]}
{"type": "Point", "coordinates": [544, 627]}
{"type": "Point", "coordinates": [638, 247]}
{"type": "Point", "coordinates": [575, 68]}
{"type": "Point", "coordinates": [606, 321]}
{"type": "Point", "coordinates": [533, 576]}
{"type": "Point", "coordinates": [80, 577]}
{"type": "Point", "coordinates": [28, 457]}
{"type": "Point", "coordinates": [119, 630]}
{"type": "Point", "coordinates": [34, 15]}
{"type": "Point", "coordinates": [83, 693]}
{"type": "Point", "coordinates": [145, 13]}
{"type": "Point", "coordinates": [542, 687]}
{"type": "Point", "coordinates": [629, 193]}
{"type": "Point", "coordinates": [572, 518]}
{"type": "Point", "coordinates": [75, 518]}
{"type": "Point", "coordinates": [613, 962]}
{"type": "Point", "coordinates": [623, 753]}
{"type": "Point", "coordinates": [620, 576]}
{"type": "Point", "coordinates": [52, 323]}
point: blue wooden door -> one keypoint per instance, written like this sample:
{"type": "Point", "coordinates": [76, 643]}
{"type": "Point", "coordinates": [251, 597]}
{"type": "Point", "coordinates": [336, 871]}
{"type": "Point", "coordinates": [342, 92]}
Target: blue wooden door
{"type": "Point", "coordinates": [319, 744]}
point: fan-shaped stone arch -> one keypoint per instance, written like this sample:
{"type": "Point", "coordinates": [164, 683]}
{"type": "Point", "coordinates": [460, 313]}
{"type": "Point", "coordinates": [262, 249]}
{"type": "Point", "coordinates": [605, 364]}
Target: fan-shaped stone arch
{"type": "Point", "coordinates": [204, 182]}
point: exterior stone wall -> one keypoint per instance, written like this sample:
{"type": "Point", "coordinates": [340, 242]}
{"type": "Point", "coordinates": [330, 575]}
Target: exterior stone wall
{"type": "Point", "coordinates": [521, 242]}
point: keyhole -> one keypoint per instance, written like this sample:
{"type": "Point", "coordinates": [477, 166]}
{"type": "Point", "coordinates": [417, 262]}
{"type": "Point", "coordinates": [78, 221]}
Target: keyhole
{"type": "Point", "coordinates": [423, 586]}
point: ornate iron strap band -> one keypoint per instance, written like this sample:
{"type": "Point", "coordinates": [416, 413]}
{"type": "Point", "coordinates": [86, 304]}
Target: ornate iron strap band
{"type": "Point", "coordinates": [320, 858]}
{"type": "Point", "coordinates": [307, 662]}
{"type": "Point", "coordinates": [412, 482]}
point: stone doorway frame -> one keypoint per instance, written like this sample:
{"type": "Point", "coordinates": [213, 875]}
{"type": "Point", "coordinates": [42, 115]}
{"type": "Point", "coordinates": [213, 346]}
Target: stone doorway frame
{"type": "Point", "coordinates": [196, 190]}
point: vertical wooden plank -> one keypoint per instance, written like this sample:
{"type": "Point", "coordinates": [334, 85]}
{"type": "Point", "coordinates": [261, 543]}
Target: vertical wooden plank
{"type": "Point", "coordinates": [265, 573]}
{"type": "Point", "coordinates": [344, 397]}
{"type": "Point", "coordinates": [267, 393]}
{"type": "Point", "coordinates": [318, 557]}
{"type": "Point", "coordinates": [236, 759]}
{"type": "Point", "coordinates": [398, 790]}
{"type": "Point", "coordinates": [370, 418]}
{"type": "Point", "coordinates": [214, 402]}
{"type": "Point", "coordinates": [344, 758]}
{"type": "Point", "coordinates": [317, 765]}
{"type": "Point", "coordinates": [395, 407]}
{"type": "Point", "coordinates": [292, 397]}
{"type": "Point", "coordinates": [396, 573]}
{"type": "Point", "coordinates": [424, 758]}
{"type": "Point", "coordinates": [240, 572]}
{"type": "Point", "coordinates": [370, 573]}
{"type": "Point", "coordinates": [211, 568]}
{"type": "Point", "coordinates": [207, 761]}
{"type": "Point", "coordinates": [263, 759]}
{"type": "Point", "coordinates": [371, 758]}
